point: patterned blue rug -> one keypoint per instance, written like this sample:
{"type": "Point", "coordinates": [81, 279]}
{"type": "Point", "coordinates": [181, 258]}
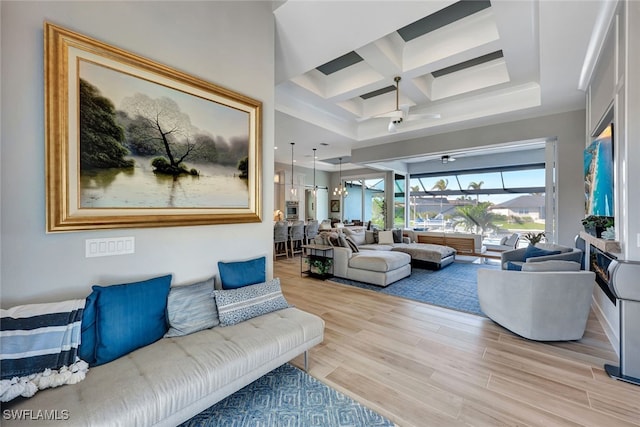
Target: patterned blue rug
{"type": "Point", "coordinates": [454, 286]}
{"type": "Point", "coordinates": [287, 397]}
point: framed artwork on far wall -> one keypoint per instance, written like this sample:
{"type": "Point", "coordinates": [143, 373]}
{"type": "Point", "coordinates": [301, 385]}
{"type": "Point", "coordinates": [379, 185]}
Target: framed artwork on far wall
{"type": "Point", "coordinates": [134, 143]}
{"type": "Point", "coordinates": [335, 206]}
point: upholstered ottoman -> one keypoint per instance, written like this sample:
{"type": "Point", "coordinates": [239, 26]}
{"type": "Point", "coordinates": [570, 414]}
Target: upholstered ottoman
{"type": "Point", "coordinates": [427, 255]}
{"type": "Point", "coordinates": [379, 267]}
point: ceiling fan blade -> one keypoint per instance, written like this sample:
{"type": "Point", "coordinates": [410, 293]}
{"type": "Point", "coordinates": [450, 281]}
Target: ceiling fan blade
{"type": "Point", "coordinates": [423, 116]}
{"type": "Point", "coordinates": [395, 114]}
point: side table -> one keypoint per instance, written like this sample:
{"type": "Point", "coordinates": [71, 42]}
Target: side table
{"type": "Point", "coordinates": [317, 261]}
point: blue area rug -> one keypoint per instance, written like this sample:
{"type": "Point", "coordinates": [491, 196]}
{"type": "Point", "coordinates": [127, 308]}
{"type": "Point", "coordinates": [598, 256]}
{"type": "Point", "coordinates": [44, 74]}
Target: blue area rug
{"type": "Point", "coordinates": [287, 397]}
{"type": "Point", "coordinates": [454, 286]}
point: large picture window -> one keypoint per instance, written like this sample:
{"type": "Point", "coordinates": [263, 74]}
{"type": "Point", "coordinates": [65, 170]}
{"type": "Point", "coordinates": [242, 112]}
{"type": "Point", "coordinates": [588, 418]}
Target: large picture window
{"type": "Point", "coordinates": [494, 202]}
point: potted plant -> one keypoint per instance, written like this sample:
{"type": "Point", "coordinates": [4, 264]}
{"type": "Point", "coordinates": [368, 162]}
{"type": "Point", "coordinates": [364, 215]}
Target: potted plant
{"type": "Point", "coordinates": [595, 225]}
{"type": "Point", "coordinates": [534, 238]}
{"type": "Point", "coordinates": [320, 265]}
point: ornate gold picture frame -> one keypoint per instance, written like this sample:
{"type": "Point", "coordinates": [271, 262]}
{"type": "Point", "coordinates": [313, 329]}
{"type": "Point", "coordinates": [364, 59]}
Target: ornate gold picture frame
{"type": "Point", "coordinates": [133, 143]}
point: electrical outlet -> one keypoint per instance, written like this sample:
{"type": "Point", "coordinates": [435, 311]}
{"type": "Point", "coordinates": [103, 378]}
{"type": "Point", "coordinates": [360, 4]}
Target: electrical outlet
{"type": "Point", "coordinates": [109, 246]}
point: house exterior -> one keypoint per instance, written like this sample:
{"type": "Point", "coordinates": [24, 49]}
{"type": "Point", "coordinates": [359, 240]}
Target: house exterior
{"type": "Point", "coordinates": [532, 206]}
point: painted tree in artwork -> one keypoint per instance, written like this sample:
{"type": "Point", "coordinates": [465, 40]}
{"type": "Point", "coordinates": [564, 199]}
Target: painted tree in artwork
{"type": "Point", "coordinates": [243, 167]}
{"type": "Point", "coordinates": [160, 122]}
{"type": "Point", "coordinates": [100, 136]}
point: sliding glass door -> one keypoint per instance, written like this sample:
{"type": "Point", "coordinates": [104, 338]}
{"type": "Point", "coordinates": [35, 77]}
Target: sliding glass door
{"type": "Point", "coordinates": [366, 201]}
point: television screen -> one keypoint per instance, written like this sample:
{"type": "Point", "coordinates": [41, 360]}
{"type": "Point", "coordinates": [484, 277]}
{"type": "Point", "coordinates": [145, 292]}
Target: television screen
{"type": "Point", "coordinates": [598, 173]}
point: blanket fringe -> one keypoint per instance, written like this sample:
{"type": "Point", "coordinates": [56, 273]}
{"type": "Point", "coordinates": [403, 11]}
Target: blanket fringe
{"type": "Point", "coordinates": [29, 385]}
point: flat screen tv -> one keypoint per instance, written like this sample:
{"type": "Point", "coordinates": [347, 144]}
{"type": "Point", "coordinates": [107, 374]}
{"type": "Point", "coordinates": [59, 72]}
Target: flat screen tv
{"type": "Point", "coordinates": [598, 174]}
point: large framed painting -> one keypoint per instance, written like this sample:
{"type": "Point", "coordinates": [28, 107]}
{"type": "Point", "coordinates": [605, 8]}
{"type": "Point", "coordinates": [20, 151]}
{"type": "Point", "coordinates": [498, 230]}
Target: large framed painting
{"type": "Point", "coordinates": [134, 143]}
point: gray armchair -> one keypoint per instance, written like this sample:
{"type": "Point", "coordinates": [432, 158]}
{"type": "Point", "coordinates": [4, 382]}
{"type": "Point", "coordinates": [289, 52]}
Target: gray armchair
{"type": "Point", "coordinates": [518, 256]}
{"type": "Point", "coordinates": [538, 305]}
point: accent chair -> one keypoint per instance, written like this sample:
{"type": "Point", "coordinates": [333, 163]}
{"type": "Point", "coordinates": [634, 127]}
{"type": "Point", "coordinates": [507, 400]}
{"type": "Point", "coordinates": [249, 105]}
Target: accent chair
{"type": "Point", "coordinates": [540, 252]}
{"type": "Point", "coordinates": [546, 301]}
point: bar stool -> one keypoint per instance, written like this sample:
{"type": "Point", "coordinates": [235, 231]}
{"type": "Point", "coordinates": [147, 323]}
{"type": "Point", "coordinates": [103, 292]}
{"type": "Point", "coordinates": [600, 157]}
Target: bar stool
{"type": "Point", "coordinates": [280, 239]}
{"type": "Point", "coordinates": [296, 237]}
{"type": "Point", "coordinates": [311, 230]}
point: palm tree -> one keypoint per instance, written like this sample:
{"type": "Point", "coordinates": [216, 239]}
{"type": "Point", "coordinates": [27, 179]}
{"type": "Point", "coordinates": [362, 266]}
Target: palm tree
{"type": "Point", "coordinates": [476, 217]}
{"type": "Point", "coordinates": [440, 185]}
{"type": "Point", "coordinates": [476, 186]}
{"type": "Point", "coordinates": [414, 189]}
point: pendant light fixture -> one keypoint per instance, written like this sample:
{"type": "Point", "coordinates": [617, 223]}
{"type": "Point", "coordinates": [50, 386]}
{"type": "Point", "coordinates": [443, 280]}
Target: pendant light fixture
{"type": "Point", "coordinates": [315, 187]}
{"type": "Point", "coordinates": [294, 192]}
{"type": "Point", "coordinates": [340, 190]}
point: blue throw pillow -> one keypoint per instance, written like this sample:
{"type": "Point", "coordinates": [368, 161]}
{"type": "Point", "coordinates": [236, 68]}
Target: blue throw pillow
{"type": "Point", "coordinates": [130, 316]}
{"type": "Point", "coordinates": [242, 273]}
{"type": "Point", "coordinates": [87, 349]}
{"type": "Point", "coordinates": [533, 252]}
{"type": "Point", "coordinates": [513, 266]}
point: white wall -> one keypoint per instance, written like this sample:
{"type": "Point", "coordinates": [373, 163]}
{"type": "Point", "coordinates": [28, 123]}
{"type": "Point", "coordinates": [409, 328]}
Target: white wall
{"type": "Point", "coordinates": [615, 82]}
{"type": "Point", "coordinates": [227, 43]}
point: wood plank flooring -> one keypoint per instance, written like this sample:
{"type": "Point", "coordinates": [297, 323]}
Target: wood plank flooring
{"type": "Point", "coordinates": [421, 365]}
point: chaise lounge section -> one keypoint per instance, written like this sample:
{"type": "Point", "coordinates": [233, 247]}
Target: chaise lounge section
{"type": "Point", "coordinates": [380, 268]}
{"type": "Point", "coordinates": [423, 255]}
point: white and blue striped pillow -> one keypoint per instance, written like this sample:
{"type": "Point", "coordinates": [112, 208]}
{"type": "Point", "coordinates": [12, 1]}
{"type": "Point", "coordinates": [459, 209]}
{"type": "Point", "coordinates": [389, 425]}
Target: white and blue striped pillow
{"type": "Point", "coordinates": [238, 305]}
{"type": "Point", "coordinates": [35, 337]}
{"type": "Point", "coordinates": [191, 308]}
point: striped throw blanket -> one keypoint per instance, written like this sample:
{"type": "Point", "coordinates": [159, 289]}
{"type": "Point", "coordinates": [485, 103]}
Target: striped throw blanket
{"type": "Point", "coordinates": [39, 347]}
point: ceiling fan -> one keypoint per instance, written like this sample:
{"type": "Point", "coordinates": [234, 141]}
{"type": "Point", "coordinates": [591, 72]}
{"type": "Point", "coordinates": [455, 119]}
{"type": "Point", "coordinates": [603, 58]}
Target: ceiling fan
{"type": "Point", "coordinates": [401, 113]}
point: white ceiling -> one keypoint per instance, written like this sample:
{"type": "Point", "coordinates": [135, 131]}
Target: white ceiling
{"type": "Point", "coordinates": [546, 46]}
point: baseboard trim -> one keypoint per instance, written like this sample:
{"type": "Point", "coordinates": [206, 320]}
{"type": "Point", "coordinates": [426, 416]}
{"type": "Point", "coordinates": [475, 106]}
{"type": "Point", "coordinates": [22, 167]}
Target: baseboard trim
{"type": "Point", "coordinates": [606, 326]}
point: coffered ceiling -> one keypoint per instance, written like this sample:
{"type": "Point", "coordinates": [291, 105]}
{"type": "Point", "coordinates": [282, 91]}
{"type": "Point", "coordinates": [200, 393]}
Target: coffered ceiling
{"type": "Point", "coordinates": [461, 65]}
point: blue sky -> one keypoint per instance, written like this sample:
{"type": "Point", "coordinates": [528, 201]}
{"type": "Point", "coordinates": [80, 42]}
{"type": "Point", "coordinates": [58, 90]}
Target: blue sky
{"type": "Point", "coordinates": [516, 179]}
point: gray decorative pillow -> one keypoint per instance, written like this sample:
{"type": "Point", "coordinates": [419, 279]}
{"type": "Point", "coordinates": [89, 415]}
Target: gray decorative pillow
{"type": "Point", "coordinates": [238, 305]}
{"type": "Point", "coordinates": [371, 237]}
{"type": "Point", "coordinates": [191, 308]}
{"type": "Point", "coordinates": [552, 247]}
{"type": "Point", "coordinates": [551, 265]}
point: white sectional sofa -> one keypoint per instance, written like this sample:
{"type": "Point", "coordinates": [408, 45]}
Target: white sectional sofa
{"type": "Point", "coordinates": [422, 254]}
{"type": "Point", "coordinates": [380, 268]}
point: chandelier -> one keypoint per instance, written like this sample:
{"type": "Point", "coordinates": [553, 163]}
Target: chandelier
{"type": "Point", "coordinates": [340, 190]}
{"type": "Point", "coordinates": [294, 191]}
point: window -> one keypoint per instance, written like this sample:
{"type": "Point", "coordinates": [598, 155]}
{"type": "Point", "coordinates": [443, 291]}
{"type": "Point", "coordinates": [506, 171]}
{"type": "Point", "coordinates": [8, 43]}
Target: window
{"type": "Point", "coordinates": [399, 201]}
{"type": "Point", "coordinates": [366, 201]}
{"type": "Point", "coordinates": [495, 202]}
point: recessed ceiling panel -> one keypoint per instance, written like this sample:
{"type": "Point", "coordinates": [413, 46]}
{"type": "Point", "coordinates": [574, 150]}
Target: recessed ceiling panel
{"type": "Point", "coordinates": [337, 160]}
{"type": "Point", "coordinates": [442, 18]}
{"type": "Point", "coordinates": [340, 63]}
{"type": "Point", "coordinates": [378, 92]}
{"type": "Point", "coordinates": [468, 64]}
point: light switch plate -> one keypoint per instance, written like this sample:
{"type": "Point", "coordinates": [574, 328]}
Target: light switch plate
{"type": "Point", "coordinates": [109, 246]}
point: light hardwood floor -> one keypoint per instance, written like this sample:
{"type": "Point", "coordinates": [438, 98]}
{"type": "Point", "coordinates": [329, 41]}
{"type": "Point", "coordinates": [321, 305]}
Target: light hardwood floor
{"type": "Point", "coordinates": [421, 365]}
